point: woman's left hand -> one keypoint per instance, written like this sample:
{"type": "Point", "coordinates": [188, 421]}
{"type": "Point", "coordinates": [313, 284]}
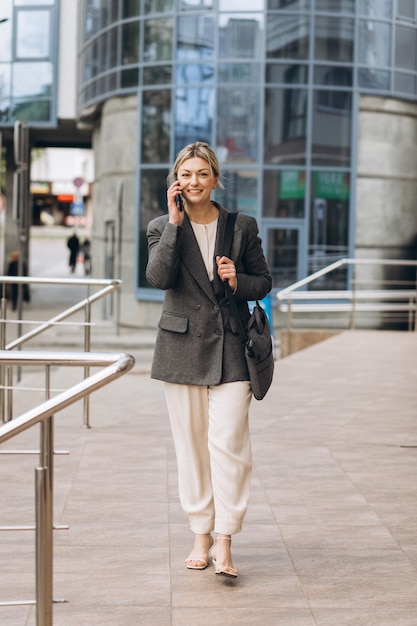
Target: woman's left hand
{"type": "Point", "coordinates": [227, 271]}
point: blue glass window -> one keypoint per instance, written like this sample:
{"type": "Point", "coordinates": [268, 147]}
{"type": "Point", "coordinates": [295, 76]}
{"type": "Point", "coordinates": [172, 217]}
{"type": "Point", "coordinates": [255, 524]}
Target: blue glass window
{"type": "Point", "coordinates": [240, 36]}
{"type": "Point", "coordinates": [285, 133]}
{"type": "Point", "coordinates": [158, 39]}
{"type": "Point", "coordinates": [238, 111]}
{"type": "Point", "coordinates": [194, 113]}
{"type": "Point", "coordinates": [156, 118]}
{"type": "Point", "coordinates": [195, 38]}
{"type": "Point", "coordinates": [284, 193]}
{"type": "Point", "coordinates": [287, 37]}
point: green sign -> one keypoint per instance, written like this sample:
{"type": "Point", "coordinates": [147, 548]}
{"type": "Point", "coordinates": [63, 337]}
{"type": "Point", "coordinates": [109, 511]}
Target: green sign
{"type": "Point", "coordinates": [292, 184]}
{"type": "Point", "coordinates": [331, 185]}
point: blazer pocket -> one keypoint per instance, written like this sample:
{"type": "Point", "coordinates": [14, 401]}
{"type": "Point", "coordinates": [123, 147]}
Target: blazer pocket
{"type": "Point", "coordinates": [174, 323]}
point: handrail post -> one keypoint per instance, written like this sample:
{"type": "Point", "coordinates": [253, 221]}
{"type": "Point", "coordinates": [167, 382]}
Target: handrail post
{"type": "Point", "coordinates": [44, 517]}
{"type": "Point", "coordinates": [87, 348]}
{"type": "Point", "coordinates": [9, 380]}
{"type": "Point", "coordinates": [3, 309]}
{"type": "Point", "coordinates": [353, 301]}
{"type": "Point", "coordinates": [44, 552]}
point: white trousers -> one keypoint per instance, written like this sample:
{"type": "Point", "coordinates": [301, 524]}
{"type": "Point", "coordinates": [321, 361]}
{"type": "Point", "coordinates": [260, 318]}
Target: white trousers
{"type": "Point", "coordinates": [210, 427]}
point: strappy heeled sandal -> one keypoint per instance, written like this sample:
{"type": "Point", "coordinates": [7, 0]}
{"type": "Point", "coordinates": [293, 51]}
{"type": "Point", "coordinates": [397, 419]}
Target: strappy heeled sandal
{"type": "Point", "coordinates": [190, 562]}
{"type": "Point", "coordinates": [220, 568]}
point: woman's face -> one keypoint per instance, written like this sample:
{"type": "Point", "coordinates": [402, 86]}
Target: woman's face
{"type": "Point", "coordinates": [197, 181]}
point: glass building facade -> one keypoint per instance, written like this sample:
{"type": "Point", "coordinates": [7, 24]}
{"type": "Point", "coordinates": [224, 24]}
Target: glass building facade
{"type": "Point", "coordinates": [273, 86]}
{"type": "Point", "coordinates": [28, 61]}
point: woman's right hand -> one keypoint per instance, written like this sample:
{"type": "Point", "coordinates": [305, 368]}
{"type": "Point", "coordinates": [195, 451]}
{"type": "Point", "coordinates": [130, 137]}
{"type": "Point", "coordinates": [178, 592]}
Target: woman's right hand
{"type": "Point", "coordinates": [175, 215]}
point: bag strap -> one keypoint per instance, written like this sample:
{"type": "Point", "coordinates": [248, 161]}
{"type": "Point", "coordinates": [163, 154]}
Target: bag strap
{"type": "Point", "coordinates": [227, 246]}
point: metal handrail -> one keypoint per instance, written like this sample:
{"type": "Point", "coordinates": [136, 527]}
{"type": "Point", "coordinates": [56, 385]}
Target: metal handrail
{"type": "Point", "coordinates": [107, 287]}
{"type": "Point", "coordinates": [350, 297]}
{"type": "Point", "coordinates": [116, 366]}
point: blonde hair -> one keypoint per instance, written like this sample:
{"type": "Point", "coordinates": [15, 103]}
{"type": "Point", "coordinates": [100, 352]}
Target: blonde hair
{"type": "Point", "coordinates": [197, 149]}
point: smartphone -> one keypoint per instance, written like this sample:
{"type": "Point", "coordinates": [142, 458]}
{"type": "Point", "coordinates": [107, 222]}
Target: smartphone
{"type": "Point", "coordinates": [180, 202]}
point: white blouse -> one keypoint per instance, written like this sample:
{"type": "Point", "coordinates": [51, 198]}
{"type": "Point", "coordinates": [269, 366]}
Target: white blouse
{"type": "Point", "coordinates": [206, 238]}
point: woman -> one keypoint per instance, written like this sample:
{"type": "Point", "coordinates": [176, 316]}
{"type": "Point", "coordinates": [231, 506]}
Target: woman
{"type": "Point", "coordinates": [198, 352]}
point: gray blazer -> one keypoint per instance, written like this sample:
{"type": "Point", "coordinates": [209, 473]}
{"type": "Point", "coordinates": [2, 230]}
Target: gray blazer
{"type": "Point", "coordinates": [198, 341]}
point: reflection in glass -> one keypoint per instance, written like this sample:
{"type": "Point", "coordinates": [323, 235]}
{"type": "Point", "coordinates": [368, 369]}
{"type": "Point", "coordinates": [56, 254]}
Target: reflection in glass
{"type": "Point", "coordinates": [333, 76]}
{"type": "Point", "coordinates": [331, 127]}
{"type": "Point", "coordinates": [194, 112]}
{"type": "Point", "coordinates": [405, 48]}
{"type": "Point", "coordinates": [330, 6]}
{"type": "Point", "coordinates": [158, 39]}
{"type": "Point", "coordinates": [153, 202]}
{"type": "Point", "coordinates": [32, 110]}
{"type": "Point", "coordinates": [112, 47]}
{"type": "Point", "coordinates": [195, 38]}
{"type": "Point", "coordinates": [238, 110]}
{"type": "Point", "coordinates": [407, 9]}
{"type": "Point", "coordinates": [374, 43]}
{"type": "Point", "coordinates": [285, 126]}
{"type": "Point", "coordinates": [32, 80]}
{"type": "Point", "coordinates": [334, 39]}
{"type": "Point", "coordinates": [375, 8]}
{"type": "Point", "coordinates": [240, 36]}
{"type": "Point", "coordinates": [242, 5]}
{"type": "Point", "coordinates": [5, 107]}
{"type": "Point", "coordinates": [130, 43]}
{"type": "Point", "coordinates": [241, 191]}
{"type": "Point", "coordinates": [158, 6]}
{"type": "Point", "coordinates": [189, 73]}
{"type": "Point", "coordinates": [5, 72]}
{"type": "Point", "coordinates": [289, 4]}
{"type": "Point", "coordinates": [287, 37]}
{"type": "Point", "coordinates": [129, 78]}
{"type": "Point", "coordinates": [405, 83]}
{"type": "Point", "coordinates": [286, 73]}
{"type": "Point", "coordinates": [196, 4]}
{"type": "Point", "coordinates": [282, 256]}
{"type": "Point", "coordinates": [373, 79]}
{"type": "Point", "coordinates": [156, 116]}
{"type": "Point", "coordinates": [284, 193]}
{"type": "Point", "coordinates": [130, 8]}
{"type": "Point", "coordinates": [329, 224]}
{"type": "Point", "coordinates": [239, 72]}
{"type": "Point", "coordinates": [33, 34]}
{"type": "Point", "coordinates": [6, 35]}
{"type": "Point", "coordinates": [157, 75]}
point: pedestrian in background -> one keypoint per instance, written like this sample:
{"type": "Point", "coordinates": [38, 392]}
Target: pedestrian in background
{"type": "Point", "coordinates": [199, 354]}
{"type": "Point", "coordinates": [73, 243]}
{"type": "Point", "coordinates": [86, 250]}
{"type": "Point", "coordinates": [13, 270]}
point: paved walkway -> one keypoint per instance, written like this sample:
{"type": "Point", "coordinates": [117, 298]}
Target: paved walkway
{"type": "Point", "coordinates": [330, 537]}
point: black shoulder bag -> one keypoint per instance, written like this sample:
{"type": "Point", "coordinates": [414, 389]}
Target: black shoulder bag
{"type": "Point", "coordinates": [256, 339]}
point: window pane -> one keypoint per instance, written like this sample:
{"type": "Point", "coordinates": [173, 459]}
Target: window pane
{"type": "Point", "coordinates": [284, 193]}
{"type": "Point", "coordinates": [129, 78]}
{"type": "Point", "coordinates": [153, 197]}
{"type": "Point", "coordinates": [335, 76]}
{"type": "Point", "coordinates": [32, 80]}
{"type": "Point", "coordinates": [6, 31]}
{"type": "Point", "coordinates": [158, 6]}
{"type": "Point", "coordinates": [405, 48]}
{"type": "Point", "coordinates": [238, 110]}
{"type": "Point", "coordinates": [33, 35]}
{"type": "Point", "coordinates": [112, 47]}
{"type": "Point", "coordinates": [241, 192]}
{"type": "Point", "coordinates": [158, 75]}
{"type": "Point", "coordinates": [194, 112]}
{"type": "Point", "coordinates": [195, 38]}
{"type": "Point", "coordinates": [330, 6]}
{"type": "Point", "coordinates": [331, 127]}
{"type": "Point", "coordinates": [329, 223]}
{"type": "Point", "coordinates": [130, 8]}
{"type": "Point", "coordinates": [239, 72]}
{"type": "Point", "coordinates": [156, 115]}
{"type": "Point", "coordinates": [375, 8]}
{"type": "Point", "coordinates": [242, 5]}
{"type": "Point", "coordinates": [240, 37]}
{"type": "Point", "coordinates": [158, 39]}
{"type": "Point", "coordinates": [289, 4]}
{"type": "Point", "coordinates": [285, 126]}
{"type": "Point", "coordinates": [130, 43]}
{"type": "Point", "coordinates": [32, 110]}
{"type": "Point", "coordinates": [404, 83]}
{"type": "Point", "coordinates": [282, 256]}
{"type": "Point", "coordinates": [374, 43]}
{"type": "Point", "coordinates": [194, 73]}
{"type": "Point", "coordinates": [287, 37]}
{"type": "Point", "coordinates": [374, 79]}
{"type": "Point", "coordinates": [195, 4]}
{"type": "Point", "coordinates": [5, 72]}
{"type": "Point", "coordinates": [285, 73]}
{"type": "Point", "coordinates": [5, 110]}
{"type": "Point", "coordinates": [406, 8]}
{"type": "Point", "coordinates": [334, 39]}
